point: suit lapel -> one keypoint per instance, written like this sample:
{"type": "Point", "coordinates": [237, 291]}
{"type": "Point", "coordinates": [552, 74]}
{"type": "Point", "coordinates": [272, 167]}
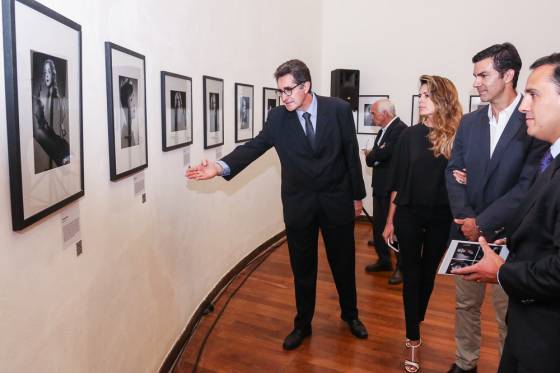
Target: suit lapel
{"type": "Point", "coordinates": [322, 121]}
{"type": "Point", "coordinates": [534, 192]}
{"type": "Point", "coordinates": [513, 126]}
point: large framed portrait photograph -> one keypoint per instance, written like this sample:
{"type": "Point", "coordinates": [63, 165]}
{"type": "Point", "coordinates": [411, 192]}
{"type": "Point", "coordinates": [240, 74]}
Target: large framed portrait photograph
{"type": "Point", "coordinates": [365, 125]}
{"type": "Point", "coordinates": [43, 74]}
{"type": "Point", "coordinates": [244, 112]}
{"type": "Point", "coordinates": [213, 111]}
{"type": "Point", "coordinates": [475, 103]}
{"type": "Point", "coordinates": [415, 112]}
{"type": "Point", "coordinates": [126, 111]}
{"type": "Point", "coordinates": [271, 99]}
{"type": "Point", "coordinates": [176, 111]}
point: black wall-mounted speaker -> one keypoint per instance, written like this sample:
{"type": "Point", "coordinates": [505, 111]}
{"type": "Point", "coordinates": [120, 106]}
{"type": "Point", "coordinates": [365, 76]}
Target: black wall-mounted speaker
{"type": "Point", "coordinates": [345, 84]}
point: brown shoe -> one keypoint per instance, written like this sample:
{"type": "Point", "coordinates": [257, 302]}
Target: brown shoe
{"type": "Point", "coordinates": [456, 369]}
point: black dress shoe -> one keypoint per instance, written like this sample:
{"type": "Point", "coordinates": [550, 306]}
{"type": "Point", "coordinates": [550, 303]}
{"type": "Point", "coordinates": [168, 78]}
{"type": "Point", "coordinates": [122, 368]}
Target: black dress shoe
{"type": "Point", "coordinates": [455, 369]}
{"type": "Point", "coordinates": [396, 278]}
{"type": "Point", "coordinates": [379, 267]}
{"type": "Point", "coordinates": [370, 243]}
{"type": "Point", "coordinates": [294, 339]}
{"type": "Point", "coordinates": [358, 329]}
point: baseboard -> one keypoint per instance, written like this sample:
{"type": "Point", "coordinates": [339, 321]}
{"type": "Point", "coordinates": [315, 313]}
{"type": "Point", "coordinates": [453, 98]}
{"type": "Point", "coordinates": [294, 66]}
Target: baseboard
{"type": "Point", "coordinates": [175, 352]}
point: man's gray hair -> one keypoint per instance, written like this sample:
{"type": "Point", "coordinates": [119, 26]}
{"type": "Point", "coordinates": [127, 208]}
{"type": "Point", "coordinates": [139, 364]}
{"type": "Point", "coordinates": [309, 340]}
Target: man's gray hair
{"type": "Point", "coordinates": [386, 106]}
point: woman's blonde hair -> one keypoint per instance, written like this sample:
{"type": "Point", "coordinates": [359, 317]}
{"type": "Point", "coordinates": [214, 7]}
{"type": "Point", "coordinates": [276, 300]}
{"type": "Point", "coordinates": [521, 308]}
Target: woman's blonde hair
{"type": "Point", "coordinates": [447, 114]}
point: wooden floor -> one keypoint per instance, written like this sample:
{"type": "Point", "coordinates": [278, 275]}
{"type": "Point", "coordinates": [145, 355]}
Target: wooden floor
{"type": "Point", "coordinates": [255, 313]}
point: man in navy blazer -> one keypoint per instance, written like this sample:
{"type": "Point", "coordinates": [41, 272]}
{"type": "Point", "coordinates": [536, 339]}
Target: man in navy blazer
{"type": "Point", "coordinates": [492, 166]}
{"type": "Point", "coordinates": [322, 187]}
{"type": "Point", "coordinates": [531, 274]}
{"type": "Point", "coordinates": [383, 114]}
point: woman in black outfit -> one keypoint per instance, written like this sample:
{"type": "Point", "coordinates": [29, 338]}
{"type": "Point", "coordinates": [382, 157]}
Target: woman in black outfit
{"type": "Point", "coordinates": [419, 206]}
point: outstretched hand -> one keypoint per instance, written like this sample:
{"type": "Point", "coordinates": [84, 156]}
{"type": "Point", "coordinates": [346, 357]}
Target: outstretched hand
{"type": "Point", "coordinates": [204, 171]}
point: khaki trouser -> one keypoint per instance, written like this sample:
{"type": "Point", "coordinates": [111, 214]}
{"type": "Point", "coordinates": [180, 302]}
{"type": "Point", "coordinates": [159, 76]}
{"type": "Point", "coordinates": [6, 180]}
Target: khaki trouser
{"type": "Point", "coordinates": [469, 298]}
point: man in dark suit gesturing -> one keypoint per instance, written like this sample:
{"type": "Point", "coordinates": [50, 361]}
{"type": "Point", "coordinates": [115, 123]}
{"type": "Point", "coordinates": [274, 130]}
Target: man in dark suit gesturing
{"type": "Point", "coordinates": [322, 187]}
{"type": "Point", "coordinates": [501, 162]}
{"type": "Point", "coordinates": [531, 274]}
{"type": "Point", "coordinates": [383, 115]}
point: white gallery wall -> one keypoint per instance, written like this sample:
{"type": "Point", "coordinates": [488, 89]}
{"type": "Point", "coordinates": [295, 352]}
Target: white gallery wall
{"type": "Point", "coordinates": [145, 268]}
{"type": "Point", "coordinates": [392, 43]}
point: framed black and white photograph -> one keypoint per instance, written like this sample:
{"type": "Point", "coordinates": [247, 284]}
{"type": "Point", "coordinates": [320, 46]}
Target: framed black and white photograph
{"type": "Point", "coordinates": [43, 74]}
{"type": "Point", "coordinates": [271, 99]}
{"type": "Point", "coordinates": [475, 103]}
{"type": "Point", "coordinates": [176, 111]}
{"type": "Point", "coordinates": [415, 111]}
{"type": "Point", "coordinates": [365, 125]}
{"type": "Point", "coordinates": [244, 112]}
{"type": "Point", "coordinates": [126, 111]}
{"type": "Point", "coordinates": [213, 111]}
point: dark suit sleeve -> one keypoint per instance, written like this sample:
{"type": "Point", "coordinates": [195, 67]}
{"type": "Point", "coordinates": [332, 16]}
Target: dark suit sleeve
{"type": "Point", "coordinates": [244, 154]}
{"type": "Point", "coordinates": [458, 198]}
{"type": "Point", "coordinates": [382, 154]}
{"type": "Point", "coordinates": [351, 152]}
{"type": "Point", "coordinates": [502, 209]}
{"type": "Point", "coordinates": [534, 280]}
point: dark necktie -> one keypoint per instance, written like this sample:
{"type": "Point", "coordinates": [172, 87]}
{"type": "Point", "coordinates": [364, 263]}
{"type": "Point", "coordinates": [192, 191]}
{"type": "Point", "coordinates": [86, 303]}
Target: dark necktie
{"type": "Point", "coordinates": [545, 161]}
{"type": "Point", "coordinates": [379, 134]}
{"type": "Point", "coordinates": [309, 131]}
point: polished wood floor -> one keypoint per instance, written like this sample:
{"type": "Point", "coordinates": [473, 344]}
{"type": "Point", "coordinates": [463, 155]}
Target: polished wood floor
{"type": "Point", "coordinates": [253, 315]}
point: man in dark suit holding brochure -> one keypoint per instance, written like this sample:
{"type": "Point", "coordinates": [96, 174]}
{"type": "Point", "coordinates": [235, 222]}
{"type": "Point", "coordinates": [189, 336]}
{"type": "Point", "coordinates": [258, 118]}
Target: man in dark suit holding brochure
{"type": "Point", "coordinates": [531, 274]}
{"type": "Point", "coordinates": [322, 188]}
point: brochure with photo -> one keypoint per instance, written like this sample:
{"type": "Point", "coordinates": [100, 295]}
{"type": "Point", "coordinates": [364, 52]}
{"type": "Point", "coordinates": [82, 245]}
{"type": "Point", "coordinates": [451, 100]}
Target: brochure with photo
{"type": "Point", "coordinates": [466, 253]}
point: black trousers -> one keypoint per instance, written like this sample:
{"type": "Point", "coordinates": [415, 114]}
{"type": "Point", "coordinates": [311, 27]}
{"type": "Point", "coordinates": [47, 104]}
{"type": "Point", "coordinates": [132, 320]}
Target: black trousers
{"type": "Point", "coordinates": [422, 234]}
{"type": "Point", "coordinates": [339, 244]}
{"type": "Point", "coordinates": [509, 363]}
{"type": "Point", "coordinates": [380, 211]}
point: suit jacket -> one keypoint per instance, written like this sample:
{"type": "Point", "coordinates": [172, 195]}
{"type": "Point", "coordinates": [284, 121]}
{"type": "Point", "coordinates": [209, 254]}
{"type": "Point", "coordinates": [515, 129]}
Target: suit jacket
{"type": "Point", "coordinates": [327, 179]}
{"type": "Point", "coordinates": [380, 157]}
{"type": "Point", "coordinates": [531, 275]}
{"type": "Point", "coordinates": [495, 186]}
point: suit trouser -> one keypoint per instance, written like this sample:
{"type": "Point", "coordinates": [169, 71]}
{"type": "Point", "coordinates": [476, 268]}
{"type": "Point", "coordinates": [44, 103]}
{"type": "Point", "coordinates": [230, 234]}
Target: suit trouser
{"type": "Point", "coordinates": [422, 234]}
{"type": "Point", "coordinates": [469, 298]}
{"type": "Point", "coordinates": [339, 245]}
{"type": "Point", "coordinates": [380, 211]}
{"type": "Point", "coordinates": [509, 363]}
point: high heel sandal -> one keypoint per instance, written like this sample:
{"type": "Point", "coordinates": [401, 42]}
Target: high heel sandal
{"type": "Point", "coordinates": [412, 365]}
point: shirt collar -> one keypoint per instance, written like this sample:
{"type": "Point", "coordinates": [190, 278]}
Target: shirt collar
{"type": "Point", "coordinates": [555, 148]}
{"type": "Point", "coordinates": [507, 111]}
{"type": "Point", "coordinates": [391, 122]}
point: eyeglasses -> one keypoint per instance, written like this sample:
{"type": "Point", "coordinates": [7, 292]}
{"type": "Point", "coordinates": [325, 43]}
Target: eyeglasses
{"type": "Point", "coordinates": [287, 91]}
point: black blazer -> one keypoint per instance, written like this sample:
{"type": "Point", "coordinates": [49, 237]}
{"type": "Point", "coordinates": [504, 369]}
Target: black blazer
{"type": "Point", "coordinates": [328, 179]}
{"type": "Point", "coordinates": [495, 186]}
{"type": "Point", "coordinates": [380, 157]}
{"type": "Point", "coordinates": [531, 275]}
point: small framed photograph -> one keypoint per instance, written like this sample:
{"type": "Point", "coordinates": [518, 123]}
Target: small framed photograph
{"type": "Point", "coordinates": [415, 112]}
{"type": "Point", "coordinates": [244, 113]}
{"type": "Point", "coordinates": [365, 125]}
{"type": "Point", "coordinates": [126, 111]}
{"type": "Point", "coordinates": [475, 103]}
{"type": "Point", "coordinates": [213, 111]}
{"type": "Point", "coordinates": [271, 99]}
{"type": "Point", "coordinates": [176, 111]}
{"type": "Point", "coordinates": [43, 76]}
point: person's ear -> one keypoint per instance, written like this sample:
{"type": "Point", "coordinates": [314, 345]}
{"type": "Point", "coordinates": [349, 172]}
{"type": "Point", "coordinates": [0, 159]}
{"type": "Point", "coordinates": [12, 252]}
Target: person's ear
{"type": "Point", "coordinates": [307, 87]}
{"type": "Point", "coordinates": [508, 75]}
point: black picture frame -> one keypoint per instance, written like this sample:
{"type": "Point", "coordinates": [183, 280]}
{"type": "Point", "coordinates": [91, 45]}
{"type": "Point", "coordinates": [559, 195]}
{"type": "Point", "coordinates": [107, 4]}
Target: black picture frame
{"type": "Point", "coordinates": [126, 69]}
{"type": "Point", "coordinates": [475, 103]}
{"type": "Point", "coordinates": [213, 90]}
{"type": "Point", "coordinates": [363, 127]}
{"type": "Point", "coordinates": [269, 96]}
{"type": "Point", "coordinates": [244, 112]}
{"type": "Point", "coordinates": [44, 116]}
{"type": "Point", "coordinates": [415, 112]}
{"type": "Point", "coordinates": [178, 131]}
